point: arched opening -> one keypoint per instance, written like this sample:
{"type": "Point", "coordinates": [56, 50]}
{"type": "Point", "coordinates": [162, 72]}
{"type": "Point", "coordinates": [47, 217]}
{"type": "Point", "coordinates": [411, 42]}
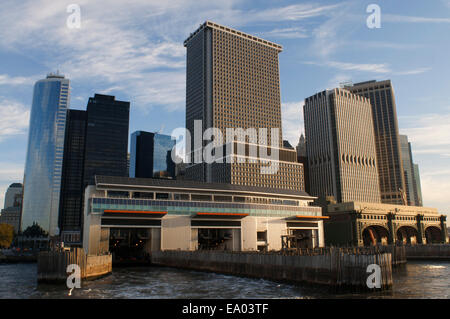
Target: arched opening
{"type": "Point", "coordinates": [433, 235]}
{"type": "Point", "coordinates": [375, 235]}
{"type": "Point", "coordinates": [407, 235]}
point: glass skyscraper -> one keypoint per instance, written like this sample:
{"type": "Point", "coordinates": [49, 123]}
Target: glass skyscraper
{"type": "Point", "coordinates": [151, 155]}
{"type": "Point", "coordinates": [43, 167]}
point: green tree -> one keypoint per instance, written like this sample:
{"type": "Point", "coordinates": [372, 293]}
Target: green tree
{"type": "Point", "coordinates": [6, 235]}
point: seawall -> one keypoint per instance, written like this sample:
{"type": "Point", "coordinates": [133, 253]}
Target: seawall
{"type": "Point", "coordinates": [334, 268]}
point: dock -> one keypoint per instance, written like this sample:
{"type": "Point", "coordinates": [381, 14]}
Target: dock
{"type": "Point", "coordinates": [339, 268]}
{"type": "Point", "coordinates": [52, 265]}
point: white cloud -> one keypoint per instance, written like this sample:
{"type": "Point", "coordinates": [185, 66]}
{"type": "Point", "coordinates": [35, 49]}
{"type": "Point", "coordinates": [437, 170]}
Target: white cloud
{"type": "Point", "coordinates": [361, 67]}
{"type": "Point", "coordinates": [14, 118]}
{"type": "Point", "coordinates": [410, 19]}
{"type": "Point", "coordinates": [292, 121]}
{"type": "Point", "coordinates": [287, 33]}
{"type": "Point", "coordinates": [427, 131]}
{"type": "Point", "coordinates": [414, 71]}
{"type": "Point", "coordinates": [293, 12]}
{"type": "Point", "coordinates": [6, 79]}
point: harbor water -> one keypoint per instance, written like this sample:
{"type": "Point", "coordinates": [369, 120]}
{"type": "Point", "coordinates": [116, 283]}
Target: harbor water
{"type": "Point", "coordinates": [417, 279]}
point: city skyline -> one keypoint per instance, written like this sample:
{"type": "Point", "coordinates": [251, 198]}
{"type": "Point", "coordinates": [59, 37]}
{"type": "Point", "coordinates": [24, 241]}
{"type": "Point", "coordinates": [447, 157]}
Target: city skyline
{"type": "Point", "coordinates": [426, 127]}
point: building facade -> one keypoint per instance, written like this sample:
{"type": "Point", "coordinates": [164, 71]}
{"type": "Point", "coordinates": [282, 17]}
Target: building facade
{"type": "Point", "coordinates": [14, 195]}
{"type": "Point", "coordinates": [72, 184]}
{"type": "Point", "coordinates": [160, 214]}
{"type": "Point", "coordinates": [358, 223]}
{"type": "Point", "coordinates": [233, 83]}
{"type": "Point", "coordinates": [411, 178]}
{"type": "Point", "coordinates": [96, 142]}
{"type": "Point", "coordinates": [106, 137]}
{"type": "Point", "coordinates": [418, 187]}
{"type": "Point", "coordinates": [385, 123]}
{"type": "Point", "coordinates": [44, 160]}
{"type": "Point", "coordinates": [150, 155]}
{"type": "Point", "coordinates": [341, 147]}
{"type": "Point", "coordinates": [11, 213]}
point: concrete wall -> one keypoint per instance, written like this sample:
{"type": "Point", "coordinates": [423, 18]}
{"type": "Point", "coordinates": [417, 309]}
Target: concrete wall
{"type": "Point", "coordinates": [97, 266]}
{"type": "Point", "coordinates": [335, 268]}
{"type": "Point", "coordinates": [176, 232]}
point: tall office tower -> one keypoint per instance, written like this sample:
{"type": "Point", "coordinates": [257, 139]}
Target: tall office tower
{"type": "Point", "coordinates": [341, 147]}
{"type": "Point", "coordinates": [418, 187]}
{"type": "Point", "coordinates": [151, 155]}
{"type": "Point", "coordinates": [408, 170]}
{"type": "Point", "coordinates": [390, 167]}
{"type": "Point", "coordinates": [96, 143]}
{"type": "Point", "coordinates": [11, 212]}
{"type": "Point", "coordinates": [72, 185]}
{"type": "Point", "coordinates": [233, 82]}
{"type": "Point", "coordinates": [43, 166]}
{"type": "Point", "coordinates": [13, 195]}
{"type": "Point", "coordinates": [106, 137]}
{"type": "Point", "coordinates": [301, 146]}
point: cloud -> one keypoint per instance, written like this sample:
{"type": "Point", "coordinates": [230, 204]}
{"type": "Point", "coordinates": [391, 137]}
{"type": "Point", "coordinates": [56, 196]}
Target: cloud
{"type": "Point", "coordinates": [293, 12]}
{"type": "Point", "coordinates": [14, 118]}
{"type": "Point", "coordinates": [410, 19]}
{"type": "Point", "coordinates": [414, 71]}
{"type": "Point", "coordinates": [361, 67]}
{"type": "Point", "coordinates": [428, 132]}
{"type": "Point", "coordinates": [287, 33]}
{"type": "Point", "coordinates": [6, 79]}
{"type": "Point", "coordinates": [292, 121]}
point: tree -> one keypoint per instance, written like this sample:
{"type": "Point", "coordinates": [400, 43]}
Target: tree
{"type": "Point", "coordinates": [6, 235]}
{"type": "Point", "coordinates": [34, 231]}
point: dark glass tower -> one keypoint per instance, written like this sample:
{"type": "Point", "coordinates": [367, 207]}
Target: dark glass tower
{"type": "Point", "coordinates": [72, 181]}
{"type": "Point", "coordinates": [96, 143]}
{"type": "Point", "coordinates": [151, 155]}
{"type": "Point", "coordinates": [106, 137]}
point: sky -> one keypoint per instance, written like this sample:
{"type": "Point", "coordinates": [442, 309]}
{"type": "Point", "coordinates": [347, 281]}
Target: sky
{"type": "Point", "coordinates": [134, 50]}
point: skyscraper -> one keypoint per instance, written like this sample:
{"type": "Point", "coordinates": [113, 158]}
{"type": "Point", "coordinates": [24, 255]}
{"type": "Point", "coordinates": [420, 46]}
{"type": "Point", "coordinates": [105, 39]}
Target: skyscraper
{"type": "Point", "coordinates": [341, 147]}
{"type": "Point", "coordinates": [384, 112]}
{"type": "Point", "coordinates": [233, 82]}
{"type": "Point", "coordinates": [13, 195]}
{"type": "Point", "coordinates": [96, 143]}
{"type": "Point", "coordinates": [13, 206]}
{"type": "Point", "coordinates": [418, 187]}
{"type": "Point", "coordinates": [72, 183]}
{"type": "Point", "coordinates": [408, 170]}
{"type": "Point", "coordinates": [106, 137]}
{"type": "Point", "coordinates": [151, 155]}
{"type": "Point", "coordinates": [43, 166]}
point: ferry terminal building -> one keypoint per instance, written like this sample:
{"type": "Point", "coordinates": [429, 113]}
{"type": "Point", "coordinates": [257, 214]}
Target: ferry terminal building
{"type": "Point", "coordinates": [138, 215]}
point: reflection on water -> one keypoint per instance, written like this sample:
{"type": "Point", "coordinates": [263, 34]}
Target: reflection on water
{"type": "Point", "coordinates": [415, 280]}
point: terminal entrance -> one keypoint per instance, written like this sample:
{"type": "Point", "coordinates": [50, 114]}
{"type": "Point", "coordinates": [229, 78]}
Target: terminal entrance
{"type": "Point", "coordinates": [215, 239]}
{"type": "Point", "coordinates": [130, 245]}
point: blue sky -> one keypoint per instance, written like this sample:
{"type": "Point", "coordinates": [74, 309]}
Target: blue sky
{"type": "Point", "coordinates": [134, 50]}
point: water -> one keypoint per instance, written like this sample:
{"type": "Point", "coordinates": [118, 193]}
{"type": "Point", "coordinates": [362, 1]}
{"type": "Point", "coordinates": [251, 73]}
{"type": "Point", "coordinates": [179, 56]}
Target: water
{"type": "Point", "coordinates": [415, 280]}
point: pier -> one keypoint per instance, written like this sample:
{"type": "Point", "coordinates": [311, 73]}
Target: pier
{"type": "Point", "coordinates": [339, 268]}
{"type": "Point", "coordinates": [428, 252]}
{"type": "Point", "coordinates": [52, 265]}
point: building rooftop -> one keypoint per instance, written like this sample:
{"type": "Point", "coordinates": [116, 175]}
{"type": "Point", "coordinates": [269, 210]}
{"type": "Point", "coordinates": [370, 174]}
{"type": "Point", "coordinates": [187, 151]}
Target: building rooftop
{"type": "Point", "coordinates": [167, 183]}
{"type": "Point", "coordinates": [217, 26]}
